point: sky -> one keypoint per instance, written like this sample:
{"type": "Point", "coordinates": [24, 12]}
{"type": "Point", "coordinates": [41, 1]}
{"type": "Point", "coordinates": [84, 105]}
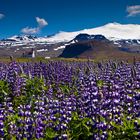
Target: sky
{"type": "Point", "coordinates": [47, 17]}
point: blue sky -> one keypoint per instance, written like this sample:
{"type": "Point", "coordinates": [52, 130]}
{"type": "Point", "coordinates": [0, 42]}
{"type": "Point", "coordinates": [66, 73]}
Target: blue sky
{"type": "Point", "coordinates": [45, 17]}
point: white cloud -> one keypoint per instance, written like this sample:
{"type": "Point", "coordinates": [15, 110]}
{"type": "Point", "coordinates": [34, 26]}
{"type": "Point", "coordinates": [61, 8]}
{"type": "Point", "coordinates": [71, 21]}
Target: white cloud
{"type": "Point", "coordinates": [28, 30]}
{"type": "Point", "coordinates": [2, 16]}
{"type": "Point", "coordinates": [133, 10]}
{"type": "Point", "coordinates": [41, 24]}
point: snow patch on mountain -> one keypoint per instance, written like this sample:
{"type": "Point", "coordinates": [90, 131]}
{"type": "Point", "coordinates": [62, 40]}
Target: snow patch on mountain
{"type": "Point", "coordinates": [61, 47]}
{"type": "Point", "coordinates": [42, 50]}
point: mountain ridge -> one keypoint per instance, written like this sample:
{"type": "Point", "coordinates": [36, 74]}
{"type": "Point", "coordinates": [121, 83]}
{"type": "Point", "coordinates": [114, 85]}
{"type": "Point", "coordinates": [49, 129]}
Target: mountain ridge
{"type": "Point", "coordinates": [112, 31]}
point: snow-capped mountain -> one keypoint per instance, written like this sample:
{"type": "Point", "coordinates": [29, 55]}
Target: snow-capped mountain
{"type": "Point", "coordinates": [112, 31]}
{"type": "Point", "coordinates": [21, 38]}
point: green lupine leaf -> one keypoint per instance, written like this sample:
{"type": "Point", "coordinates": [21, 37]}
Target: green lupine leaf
{"type": "Point", "coordinates": [102, 119]}
{"type": "Point", "coordinates": [13, 137]}
{"type": "Point", "coordinates": [100, 83]}
{"type": "Point", "coordinates": [50, 133]}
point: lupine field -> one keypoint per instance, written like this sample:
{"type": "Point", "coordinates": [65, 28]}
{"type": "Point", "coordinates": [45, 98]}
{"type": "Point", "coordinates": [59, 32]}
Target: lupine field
{"type": "Point", "coordinates": [70, 101]}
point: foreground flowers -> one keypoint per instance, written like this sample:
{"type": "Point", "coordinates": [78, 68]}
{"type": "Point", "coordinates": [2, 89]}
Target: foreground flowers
{"type": "Point", "coordinates": [70, 100]}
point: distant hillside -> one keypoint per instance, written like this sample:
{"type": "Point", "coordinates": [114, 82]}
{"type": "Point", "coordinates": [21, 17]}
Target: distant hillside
{"type": "Point", "coordinates": [97, 49]}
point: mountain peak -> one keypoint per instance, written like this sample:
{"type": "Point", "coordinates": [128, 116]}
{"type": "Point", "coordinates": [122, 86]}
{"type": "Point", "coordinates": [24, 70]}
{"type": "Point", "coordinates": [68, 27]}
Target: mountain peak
{"type": "Point", "coordinates": [22, 38]}
{"type": "Point", "coordinates": [85, 37]}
